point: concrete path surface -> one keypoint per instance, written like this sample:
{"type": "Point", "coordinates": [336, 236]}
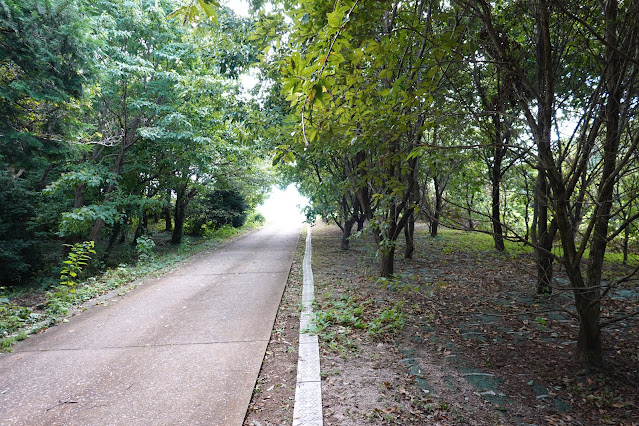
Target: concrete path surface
{"type": "Point", "coordinates": [185, 348]}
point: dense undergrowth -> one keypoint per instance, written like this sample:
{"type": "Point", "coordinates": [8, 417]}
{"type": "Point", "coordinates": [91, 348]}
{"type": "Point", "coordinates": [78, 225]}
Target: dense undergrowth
{"type": "Point", "coordinates": [25, 311]}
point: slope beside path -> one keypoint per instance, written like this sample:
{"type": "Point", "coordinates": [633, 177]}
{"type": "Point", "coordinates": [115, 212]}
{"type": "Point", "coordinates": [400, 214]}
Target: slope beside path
{"type": "Point", "coordinates": [185, 348]}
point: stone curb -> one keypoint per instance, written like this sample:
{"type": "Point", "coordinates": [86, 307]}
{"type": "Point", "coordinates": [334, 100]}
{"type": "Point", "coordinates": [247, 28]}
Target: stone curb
{"type": "Point", "coordinates": [308, 390]}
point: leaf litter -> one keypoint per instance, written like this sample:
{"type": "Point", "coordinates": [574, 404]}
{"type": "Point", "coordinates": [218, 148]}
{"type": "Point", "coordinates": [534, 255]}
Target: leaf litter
{"type": "Point", "coordinates": [475, 345]}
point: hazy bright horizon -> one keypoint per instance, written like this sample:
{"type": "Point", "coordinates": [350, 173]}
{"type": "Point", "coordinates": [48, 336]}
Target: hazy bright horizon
{"type": "Point", "coordinates": [284, 205]}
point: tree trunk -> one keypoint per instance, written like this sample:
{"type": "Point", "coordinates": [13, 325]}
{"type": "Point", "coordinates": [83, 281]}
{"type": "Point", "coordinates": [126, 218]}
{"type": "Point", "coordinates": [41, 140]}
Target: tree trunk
{"type": "Point", "coordinates": [96, 230]}
{"type": "Point", "coordinates": [578, 210]}
{"type": "Point", "coordinates": [527, 210]}
{"type": "Point", "coordinates": [469, 211]}
{"type": "Point", "coordinates": [499, 152]}
{"type": "Point", "coordinates": [140, 228]}
{"type": "Point", "coordinates": [124, 230]}
{"type": "Point", "coordinates": [496, 215]}
{"type": "Point", "coordinates": [114, 236]}
{"type": "Point", "coordinates": [346, 233]}
{"type": "Point", "coordinates": [181, 204]}
{"type": "Point", "coordinates": [178, 229]}
{"type": "Point", "coordinates": [78, 201]}
{"type": "Point", "coordinates": [589, 338]}
{"type": "Point", "coordinates": [43, 179]}
{"type": "Point", "coordinates": [166, 211]}
{"type": "Point", "coordinates": [387, 261]}
{"type": "Point", "coordinates": [543, 247]}
{"type": "Point", "coordinates": [434, 222]}
{"type": "Point", "coordinates": [588, 299]}
{"type": "Point", "coordinates": [359, 214]}
{"type": "Point", "coordinates": [409, 234]}
{"type": "Point", "coordinates": [546, 96]}
{"type": "Point", "coordinates": [626, 240]}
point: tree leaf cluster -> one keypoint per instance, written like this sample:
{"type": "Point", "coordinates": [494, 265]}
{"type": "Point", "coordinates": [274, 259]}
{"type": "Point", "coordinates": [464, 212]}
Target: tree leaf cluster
{"type": "Point", "coordinates": [509, 118]}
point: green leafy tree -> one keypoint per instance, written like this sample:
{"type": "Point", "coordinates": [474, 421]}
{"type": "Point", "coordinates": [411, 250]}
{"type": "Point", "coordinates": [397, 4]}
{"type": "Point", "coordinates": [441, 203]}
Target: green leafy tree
{"type": "Point", "coordinates": [583, 51]}
{"type": "Point", "coordinates": [18, 246]}
{"type": "Point", "coordinates": [370, 74]}
{"type": "Point", "coordinates": [43, 69]}
{"type": "Point", "coordinates": [44, 66]}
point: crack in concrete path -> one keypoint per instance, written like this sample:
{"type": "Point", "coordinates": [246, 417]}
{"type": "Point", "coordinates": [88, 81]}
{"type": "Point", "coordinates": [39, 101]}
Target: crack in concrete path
{"type": "Point", "coordinates": [158, 345]}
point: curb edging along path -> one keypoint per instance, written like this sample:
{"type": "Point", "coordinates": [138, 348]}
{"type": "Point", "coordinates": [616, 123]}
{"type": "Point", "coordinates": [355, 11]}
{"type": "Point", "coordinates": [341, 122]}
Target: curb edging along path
{"type": "Point", "coordinates": [308, 391]}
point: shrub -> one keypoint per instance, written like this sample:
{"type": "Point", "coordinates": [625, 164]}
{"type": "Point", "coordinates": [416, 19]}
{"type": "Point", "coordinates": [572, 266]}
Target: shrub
{"type": "Point", "coordinates": [214, 209]}
{"type": "Point", "coordinates": [144, 247]}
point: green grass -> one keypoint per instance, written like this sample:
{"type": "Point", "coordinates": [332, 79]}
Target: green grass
{"type": "Point", "coordinates": [462, 241]}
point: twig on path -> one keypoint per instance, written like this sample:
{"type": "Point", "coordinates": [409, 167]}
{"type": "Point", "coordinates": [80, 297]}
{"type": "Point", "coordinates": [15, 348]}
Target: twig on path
{"type": "Point", "coordinates": [68, 401]}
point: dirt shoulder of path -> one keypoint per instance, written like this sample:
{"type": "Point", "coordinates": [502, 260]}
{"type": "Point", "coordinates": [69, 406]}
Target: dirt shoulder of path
{"type": "Point", "coordinates": [458, 337]}
{"type": "Point", "coordinates": [274, 394]}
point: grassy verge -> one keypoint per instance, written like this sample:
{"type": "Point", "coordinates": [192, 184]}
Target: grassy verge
{"type": "Point", "coordinates": [28, 311]}
{"type": "Point", "coordinates": [477, 242]}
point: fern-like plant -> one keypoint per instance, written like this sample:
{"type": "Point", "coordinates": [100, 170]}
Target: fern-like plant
{"type": "Point", "coordinates": [78, 258]}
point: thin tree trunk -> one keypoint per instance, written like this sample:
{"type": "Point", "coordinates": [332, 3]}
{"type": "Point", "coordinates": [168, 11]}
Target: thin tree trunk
{"type": "Point", "coordinates": [166, 211]}
{"type": "Point", "coordinates": [545, 85]}
{"type": "Point", "coordinates": [588, 299]}
{"type": "Point", "coordinates": [180, 216]}
{"type": "Point", "coordinates": [359, 214]}
{"type": "Point", "coordinates": [434, 222]}
{"type": "Point", "coordinates": [181, 204]}
{"type": "Point", "coordinates": [409, 234]}
{"type": "Point", "coordinates": [527, 209]}
{"type": "Point", "coordinates": [96, 230]}
{"type": "Point", "coordinates": [43, 179]}
{"type": "Point", "coordinates": [469, 210]}
{"type": "Point", "coordinates": [387, 261]}
{"type": "Point", "coordinates": [543, 246]}
{"type": "Point", "coordinates": [626, 240]}
{"type": "Point", "coordinates": [78, 201]}
{"type": "Point", "coordinates": [346, 233]}
{"type": "Point", "coordinates": [114, 236]}
{"type": "Point", "coordinates": [496, 214]}
{"type": "Point", "coordinates": [142, 225]}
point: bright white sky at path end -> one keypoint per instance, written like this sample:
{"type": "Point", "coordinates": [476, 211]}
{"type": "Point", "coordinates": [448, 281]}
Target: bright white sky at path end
{"type": "Point", "coordinates": [281, 206]}
{"type": "Point", "coordinates": [284, 206]}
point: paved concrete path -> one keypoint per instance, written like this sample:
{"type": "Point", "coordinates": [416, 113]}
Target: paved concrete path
{"type": "Point", "coordinates": [185, 348]}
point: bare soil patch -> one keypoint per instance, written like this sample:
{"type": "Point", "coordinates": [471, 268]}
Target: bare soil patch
{"type": "Point", "coordinates": [476, 347]}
